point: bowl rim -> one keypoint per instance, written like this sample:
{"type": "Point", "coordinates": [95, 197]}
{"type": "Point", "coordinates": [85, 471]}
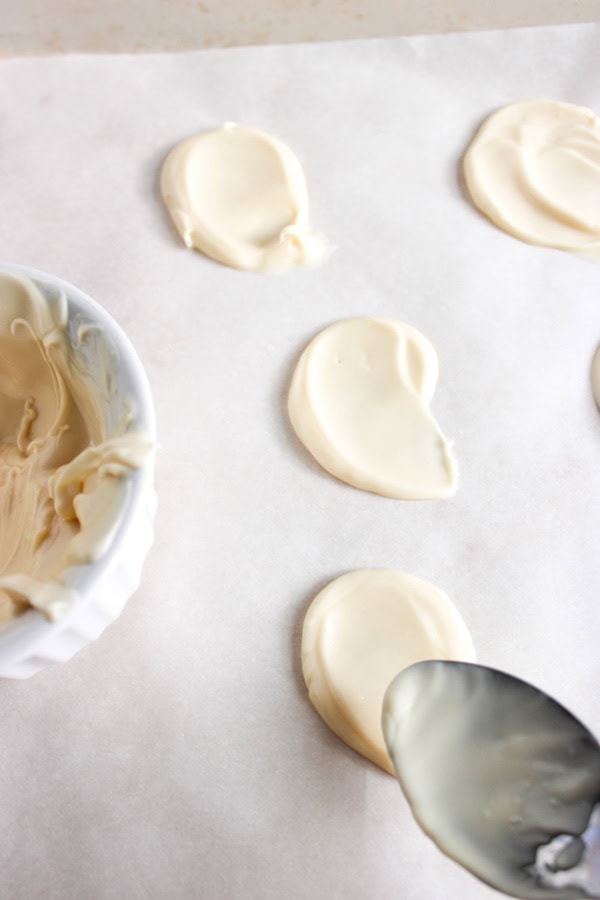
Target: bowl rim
{"type": "Point", "coordinates": [23, 635]}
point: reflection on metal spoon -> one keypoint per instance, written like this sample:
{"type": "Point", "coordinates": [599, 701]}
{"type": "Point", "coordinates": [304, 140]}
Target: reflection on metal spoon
{"type": "Point", "coordinates": [501, 777]}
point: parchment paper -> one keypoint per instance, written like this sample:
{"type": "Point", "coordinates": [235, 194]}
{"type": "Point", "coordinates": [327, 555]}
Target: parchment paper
{"type": "Point", "coordinates": [179, 756]}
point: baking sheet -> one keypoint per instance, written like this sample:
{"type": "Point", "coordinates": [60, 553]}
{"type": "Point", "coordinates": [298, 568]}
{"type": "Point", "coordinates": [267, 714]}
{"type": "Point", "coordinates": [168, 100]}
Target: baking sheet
{"type": "Point", "coordinates": [179, 755]}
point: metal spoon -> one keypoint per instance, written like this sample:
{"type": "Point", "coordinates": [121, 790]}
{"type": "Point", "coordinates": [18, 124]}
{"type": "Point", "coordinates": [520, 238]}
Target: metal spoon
{"type": "Point", "coordinates": [503, 778]}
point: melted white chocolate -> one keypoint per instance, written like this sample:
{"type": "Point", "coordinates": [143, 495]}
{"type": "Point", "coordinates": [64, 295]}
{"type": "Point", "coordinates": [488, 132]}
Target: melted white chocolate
{"type": "Point", "coordinates": [359, 402]}
{"type": "Point", "coordinates": [534, 170]}
{"type": "Point", "coordinates": [359, 632]}
{"type": "Point", "coordinates": [239, 195]}
{"type": "Point", "coordinates": [62, 482]}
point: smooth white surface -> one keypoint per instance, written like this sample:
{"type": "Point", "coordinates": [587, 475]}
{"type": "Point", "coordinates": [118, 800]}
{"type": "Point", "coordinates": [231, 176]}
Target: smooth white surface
{"type": "Point", "coordinates": [534, 169]}
{"type": "Point", "coordinates": [179, 756]}
{"type": "Point", "coordinates": [359, 402]}
{"type": "Point", "coordinates": [239, 195]}
{"type": "Point", "coordinates": [359, 632]}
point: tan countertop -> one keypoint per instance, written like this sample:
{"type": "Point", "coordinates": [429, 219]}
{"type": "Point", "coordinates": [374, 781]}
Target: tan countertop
{"type": "Point", "coordinates": [56, 26]}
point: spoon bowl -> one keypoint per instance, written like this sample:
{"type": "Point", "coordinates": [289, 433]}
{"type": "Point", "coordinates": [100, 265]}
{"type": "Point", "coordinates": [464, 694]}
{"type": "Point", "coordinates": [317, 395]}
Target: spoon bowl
{"type": "Point", "coordinates": [504, 779]}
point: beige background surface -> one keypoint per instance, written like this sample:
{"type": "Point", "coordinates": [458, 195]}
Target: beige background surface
{"type": "Point", "coordinates": [54, 26]}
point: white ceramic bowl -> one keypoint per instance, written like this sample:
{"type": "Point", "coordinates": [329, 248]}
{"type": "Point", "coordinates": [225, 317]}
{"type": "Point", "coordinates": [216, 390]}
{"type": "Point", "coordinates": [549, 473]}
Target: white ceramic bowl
{"type": "Point", "coordinates": [30, 642]}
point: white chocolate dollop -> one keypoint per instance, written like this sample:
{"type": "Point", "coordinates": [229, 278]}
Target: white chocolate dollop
{"type": "Point", "coordinates": [239, 195]}
{"type": "Point", "coordinates": [534, 169]}
{"type": "Point", "coordinates": [359, 402]}
{"type": "Point", "coordinates": [359, 632]}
